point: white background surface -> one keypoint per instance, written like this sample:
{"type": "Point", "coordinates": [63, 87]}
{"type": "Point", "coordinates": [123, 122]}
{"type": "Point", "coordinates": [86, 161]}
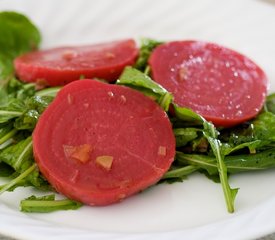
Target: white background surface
{"type": "Point", "coordinates": [194, 209]}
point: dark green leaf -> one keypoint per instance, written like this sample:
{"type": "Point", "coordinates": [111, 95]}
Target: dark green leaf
{"type": "Point", "coordinates": [18, 156]}
{"type": "Point", "coordinates": [185, 135]}
{"type": "Point", "coordinates": [270, 103]}
{"type": "Point", "coordinates": [235, 163]}
{"type": "Point", "coordinates": [5, 170]}
{"type": "Point", "coordinates": [27, 121]}
{"type": "Point", "coordinates": [264, 127]}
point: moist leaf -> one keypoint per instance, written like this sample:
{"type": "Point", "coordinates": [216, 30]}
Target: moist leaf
{"type": "Point", "coordinates": [27, 121]}
{"type": "Point", "coordinates": [135, 79]}
{"type": "Point", "coordinates": [187, 116]}
{"type": "Point", "coordinates": [264, 127]}
{"type": "Point", "coordinates": [46, 204]}
{"type": "Point", "coordinates": [34, 107]}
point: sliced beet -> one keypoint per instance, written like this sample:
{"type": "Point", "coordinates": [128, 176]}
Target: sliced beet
{"type": "Point", "coordinates": [59, 66]}
{"type": "Point", "coordinates": [222, 85]}
{"type": "Point", "coordinates": [99, 143]}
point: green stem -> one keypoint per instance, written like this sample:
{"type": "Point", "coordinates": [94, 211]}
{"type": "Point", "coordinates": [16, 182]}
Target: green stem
{"type": "Point", "coordinates": [234, 164]}
{"type": "Point", "coordinates": [21, 156]}
{"type": "Point", "coordinates": [8, 136]}
{"type": "Point", "coordinates": [165, 101]}
{"type": "Point", "coordinates": [229, 194]}
{"type": "Point", "coordinates": [28, 85]}
{"type": "Point", "coordinates": [45, 203]}
{"type": "Point", "coordinates": [224, 179]}
{"type": "Point", "coordinates": [48, 92]}
{"type": "Point", "coordinates": [11, 113]}
{"type": "Point", "coordinates": [147, 70]}
{"type": "Point", "coordinates": [41, 205]}
{"type": "Point", "coordinates": [13, 182]}
{"type": "Point", "coordinates": [180, 172]}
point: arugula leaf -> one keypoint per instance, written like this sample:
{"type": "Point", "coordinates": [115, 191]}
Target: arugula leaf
{"type": "Point", "coordinates": [14, 108]}
{"type": "Point", "coordinates": [147, 46]}
{"type": "Point", "coordinates": [235, 163]}
{"type": "Point", "coordinates": [5, 170]}
{"type": "Point", "coordinates": [27, 121]}
{"type": "Point", "coordinates": [228, 149]}
{"type": "Point", "coordinates": [180, 172]}
{"type": "Point", "coordinates": [185, 135]}
{"type": "Point", "coordinates": [34, 107]}
{"type": "Point", "coordinates": [15, 91]}
{"type": "Point", "coordinates": [17, 36]}
{"type": "Point", "coordinates": [264, 127]}
{"type": "Point", "coordinates": [18, 180]}
{"type": "Point", "coordinates": [39, 103]}
{"type": "Point", "coordinates": [46, 204]}
{"type": "Point", "coordinates": [18, 156]}
{"type": "Point", "coordinates": [270, 103]}
{"type": "Point", "coordinates": [187, 116]}
{"type": "Point", "coordinates": [211, 134]}
{"type": "Point", "coordinates": [6, 132]}
{"type": "Point", "coordinates": [135, 79]}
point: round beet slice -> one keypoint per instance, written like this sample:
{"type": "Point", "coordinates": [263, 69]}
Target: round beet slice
{"type": "Point", "coordinates": [99, 143]}
{"type": "Point", "coordinates": [222, 85]}
{"type": "Point", "coordinates": [59, 66]}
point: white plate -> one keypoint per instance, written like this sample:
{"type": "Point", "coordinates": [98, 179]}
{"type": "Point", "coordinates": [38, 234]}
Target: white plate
{"type": "Point", "coordinates": [194, 209]}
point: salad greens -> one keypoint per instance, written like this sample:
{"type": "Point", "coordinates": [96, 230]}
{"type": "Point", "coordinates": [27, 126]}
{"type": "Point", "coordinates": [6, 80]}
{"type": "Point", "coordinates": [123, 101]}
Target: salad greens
{"type": "Point", "coordinates": [18, 35]}
{"type": "Point", "coordinates": [20, 108]}
{"type": "Point", "coordinates": [47, 203]}
{"type": "Point", "coordinates": [200, 146]}
{"type": "Point", "coordinates": [147, 46]}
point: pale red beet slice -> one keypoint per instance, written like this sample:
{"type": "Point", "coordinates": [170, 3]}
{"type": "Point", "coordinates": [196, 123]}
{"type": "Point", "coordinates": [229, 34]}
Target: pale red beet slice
{"type": "Point", "coordinates": [59, 66]}
{"type": "Point", "coordinates": [222, 85]}
{"type": "Point", "coordinates": [99, 143]}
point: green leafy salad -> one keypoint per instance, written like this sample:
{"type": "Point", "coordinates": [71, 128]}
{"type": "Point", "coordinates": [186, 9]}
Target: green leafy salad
{"type": "Point", "coordinates": [200, 146]}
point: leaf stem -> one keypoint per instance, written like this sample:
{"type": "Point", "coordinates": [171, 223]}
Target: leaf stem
{"type": "Point", "coordinates": [13, 182]}
{"type": "Point", "coordinates": [229, 194]}
{"type": "Point", "coordinates": [11, 113]}
{"type": "Point", "coordinates": [21, 156]}
{"type": "Point", "coordinates": [180, 172]}
{"type": "Point", "coordinates": [8, 136]}
{"type": "Point", "coordinates": [48, 92]}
